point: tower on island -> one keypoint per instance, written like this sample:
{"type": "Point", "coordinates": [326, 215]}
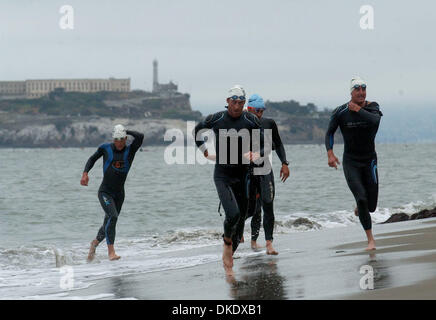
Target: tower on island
{"type": "Point", "coordinates": [162, 88]}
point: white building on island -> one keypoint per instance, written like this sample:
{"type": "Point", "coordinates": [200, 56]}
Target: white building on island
{"type": "Point", "coordinates": [39, 87]}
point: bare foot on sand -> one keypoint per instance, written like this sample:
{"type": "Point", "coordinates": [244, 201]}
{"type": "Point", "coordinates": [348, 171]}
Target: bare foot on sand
{"type": "Point", "coordinates": [269, 248]}
{"type": "Point", "coordinates": [356, 212]}
{"type": "Point", "coordinates": [254, 245]}
{"type": "Point", "coordinates": [228, 259]}
{"type": "Point", "coordinates": [91, 254]}
{"type": "Point", "coordinates": [371, 245]}
{"type": "Point", "coordinates": [242, 240]}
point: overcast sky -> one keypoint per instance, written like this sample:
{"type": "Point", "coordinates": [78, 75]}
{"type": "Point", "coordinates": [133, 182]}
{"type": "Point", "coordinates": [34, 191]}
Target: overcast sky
{"type": "Point", "coordinates": [301, 50]}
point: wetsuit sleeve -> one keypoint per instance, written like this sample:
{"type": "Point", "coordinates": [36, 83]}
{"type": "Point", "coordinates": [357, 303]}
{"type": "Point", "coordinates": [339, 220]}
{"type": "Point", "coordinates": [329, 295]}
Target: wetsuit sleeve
{"type": "Point", "coordinates": [372, 114]}
{"type": "Point", "coordinates": [330, 134]}
{"type": "Point", "coordinates": [137, 140]}
{"type": "Point", "coordinates": [91, 161]}
{"type": "Point", "coordinates": [205, 124]}
{"type": "Point", "coordinates": [257, 125]}
{"type": "Point", "coordinates": [280, 149]}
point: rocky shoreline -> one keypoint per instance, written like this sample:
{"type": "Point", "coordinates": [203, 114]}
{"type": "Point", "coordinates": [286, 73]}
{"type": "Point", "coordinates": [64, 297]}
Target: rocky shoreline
{"type": "Point", "coordinates": [59, 132]}
{"type": "Point", "coordinates": [45, 131]}
{"type": "Point", "coordinates": [71, 119]}
{"type": "Point", "coordinates": [401, 216]}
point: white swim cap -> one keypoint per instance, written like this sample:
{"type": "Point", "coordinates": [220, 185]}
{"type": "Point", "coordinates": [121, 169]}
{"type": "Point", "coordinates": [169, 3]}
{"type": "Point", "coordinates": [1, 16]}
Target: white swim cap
{"type": "Point", "coordinates": [236, 90]}
{"type": "Point", "coordinates": [119, 132]}
{"type": "Point", "coordinates": [356, 81]}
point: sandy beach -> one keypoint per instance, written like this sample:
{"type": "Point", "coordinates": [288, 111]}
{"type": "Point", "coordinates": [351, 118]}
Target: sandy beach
{"type": "Point", "coordinates": [324, 264]}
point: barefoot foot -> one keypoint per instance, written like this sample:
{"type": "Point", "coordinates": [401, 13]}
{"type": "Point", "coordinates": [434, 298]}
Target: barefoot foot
{"type": "Point", "coordinates": [111, 252]}
{"type": "Point", "coordinates": [371, 245]}
{"type": "Point", "coordinates": [91, 254]}
{"type": "Point", "coordinates": [269, 249]}
{"type": "Point", "coordinates": [114, 257]}
{"type": "Point", "coordinates": [228, 259]}
{"type": "Point", "coordinates": [254, 245]}
{"type": "Point", "coordinates": [230, 279]}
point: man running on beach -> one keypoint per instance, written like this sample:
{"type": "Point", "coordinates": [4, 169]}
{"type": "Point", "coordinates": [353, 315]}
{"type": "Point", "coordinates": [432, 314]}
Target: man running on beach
{"type": "Point", "coordinates": [231, 171]}
{"type": "Point", "coordinates": [359, 121]}
{"type": "Point", "coordinates": [117, 160]}
{"type": "Point", "coordinates": [265, 183]}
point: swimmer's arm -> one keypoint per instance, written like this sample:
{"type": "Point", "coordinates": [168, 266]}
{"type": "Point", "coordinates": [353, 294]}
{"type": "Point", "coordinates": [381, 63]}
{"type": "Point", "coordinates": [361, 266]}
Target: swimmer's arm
{"type": "Point", "coordinates": [280, 149]}
{"type": "Point", "coordinates": [281, 153]}
{"type": "Point", "coordinates": [333, 161]}
{"type": "Point", "coordinates": [91, 161]}
{"type": "Point", "coordinates": [330, 133]}
{"type": "Point", "coordinates": [89, 164]}
{"type": "Point", "coordinates": [202, 125]}
{"type": "Point", "coordinates": [138, 138]}
{"type": "Point", "coordinates": [257, 145]}
{"type": "Point", "coordinates": [372, 115]}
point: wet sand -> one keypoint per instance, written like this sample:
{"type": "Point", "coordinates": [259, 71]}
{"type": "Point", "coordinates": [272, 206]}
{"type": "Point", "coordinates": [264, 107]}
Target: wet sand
{"type": "Point", "coordinates": [323, 264]}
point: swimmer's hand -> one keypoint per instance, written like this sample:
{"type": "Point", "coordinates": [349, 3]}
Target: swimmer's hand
{"type": "Point", "coordinates": [212, 157]}
{"type": "Point", "coordinates": [284, 172]}
{"type": "Point", "coordinates": [354, 107]}
{"type": "Point", "coordinates": [252, 156]}
{"type": "Point", "coordinates": [85, 179]}
{"type": "Point", "coordinates": [333, 161]}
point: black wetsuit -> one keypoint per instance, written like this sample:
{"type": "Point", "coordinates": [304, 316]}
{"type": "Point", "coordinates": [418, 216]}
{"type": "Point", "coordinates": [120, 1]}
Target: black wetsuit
{"type": "Point", "coordinates": [116, 166]}
{"type": "Point", "coordinates": [232, 180]}
{"type": "Point", "coordinates": [360, 158]}
{"type": "Point", "coordinates": [265, 189]}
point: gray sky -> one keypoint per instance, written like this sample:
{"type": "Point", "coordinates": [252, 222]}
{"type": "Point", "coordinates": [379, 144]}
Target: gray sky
{"type": "Point", "coordinates": [301, 50]}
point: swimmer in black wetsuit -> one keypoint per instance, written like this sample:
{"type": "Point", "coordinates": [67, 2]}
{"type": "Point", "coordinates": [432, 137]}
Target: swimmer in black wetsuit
{"type": "Point", "coordinates": [231, 173]}
{"type": "Point", "coordinates": [117, 160]}
{"type": "Point", "coordinates": [359, 121]}
{"type": "Point", "coordinates": [265, 183]}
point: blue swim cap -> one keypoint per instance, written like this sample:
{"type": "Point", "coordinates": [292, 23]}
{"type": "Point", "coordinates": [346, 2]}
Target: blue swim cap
{"type": "Point", "coordinates": [256, 101]}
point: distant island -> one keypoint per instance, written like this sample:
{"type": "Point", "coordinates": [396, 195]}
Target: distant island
{"type": "Point", "coordinates": [299, 124]}
{"type": "Point", "coordinates": [74, 119]}
{"type": "Point", "coordinates": [134, 104]}
{"type": "Point", "coordinates": [82, 112]}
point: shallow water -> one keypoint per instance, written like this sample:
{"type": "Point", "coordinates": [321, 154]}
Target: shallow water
{"type": "Point", "coordinates": [170, 209]}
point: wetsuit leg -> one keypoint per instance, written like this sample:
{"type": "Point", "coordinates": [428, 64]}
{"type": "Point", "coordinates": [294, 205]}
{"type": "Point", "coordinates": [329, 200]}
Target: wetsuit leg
{"type": "Point", "coordinates": [253, 195]}
{"type": "Point", "coordinates": [254, 207]}
{"type": "Point", "coordinates": [354, 174]}
{"type": "Point", "coordinates": [245, 192]}
{"type": "Point", "coordinates": [242, 200]}
{"type": "Point", "coordinates": [232, 193]}
{"type": "Point", "coordinates": [229, 204]}
{"type": "Point", "coordinates": [256, 219]}
{"type": "Point", "coordinates": [371, 184]}
{"type": "Point", "coordinates": [110, 207]}
{"type": "Point", "coordinates": [119, 200]}
{"type": "Point", "coordinates": [267, 192]}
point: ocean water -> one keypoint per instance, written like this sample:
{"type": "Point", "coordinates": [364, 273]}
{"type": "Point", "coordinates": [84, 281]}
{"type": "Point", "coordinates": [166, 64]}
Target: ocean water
{"type": "Point", "coordinates": [47, 219]}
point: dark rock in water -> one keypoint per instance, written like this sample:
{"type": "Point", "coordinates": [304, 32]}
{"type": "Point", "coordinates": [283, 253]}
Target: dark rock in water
{"type": "Point", "coordinates": [424, 214]}
{"type": "Point", "coordinates": [305, 222]}
{"type": "Point", "coordinates": [397, 217]}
